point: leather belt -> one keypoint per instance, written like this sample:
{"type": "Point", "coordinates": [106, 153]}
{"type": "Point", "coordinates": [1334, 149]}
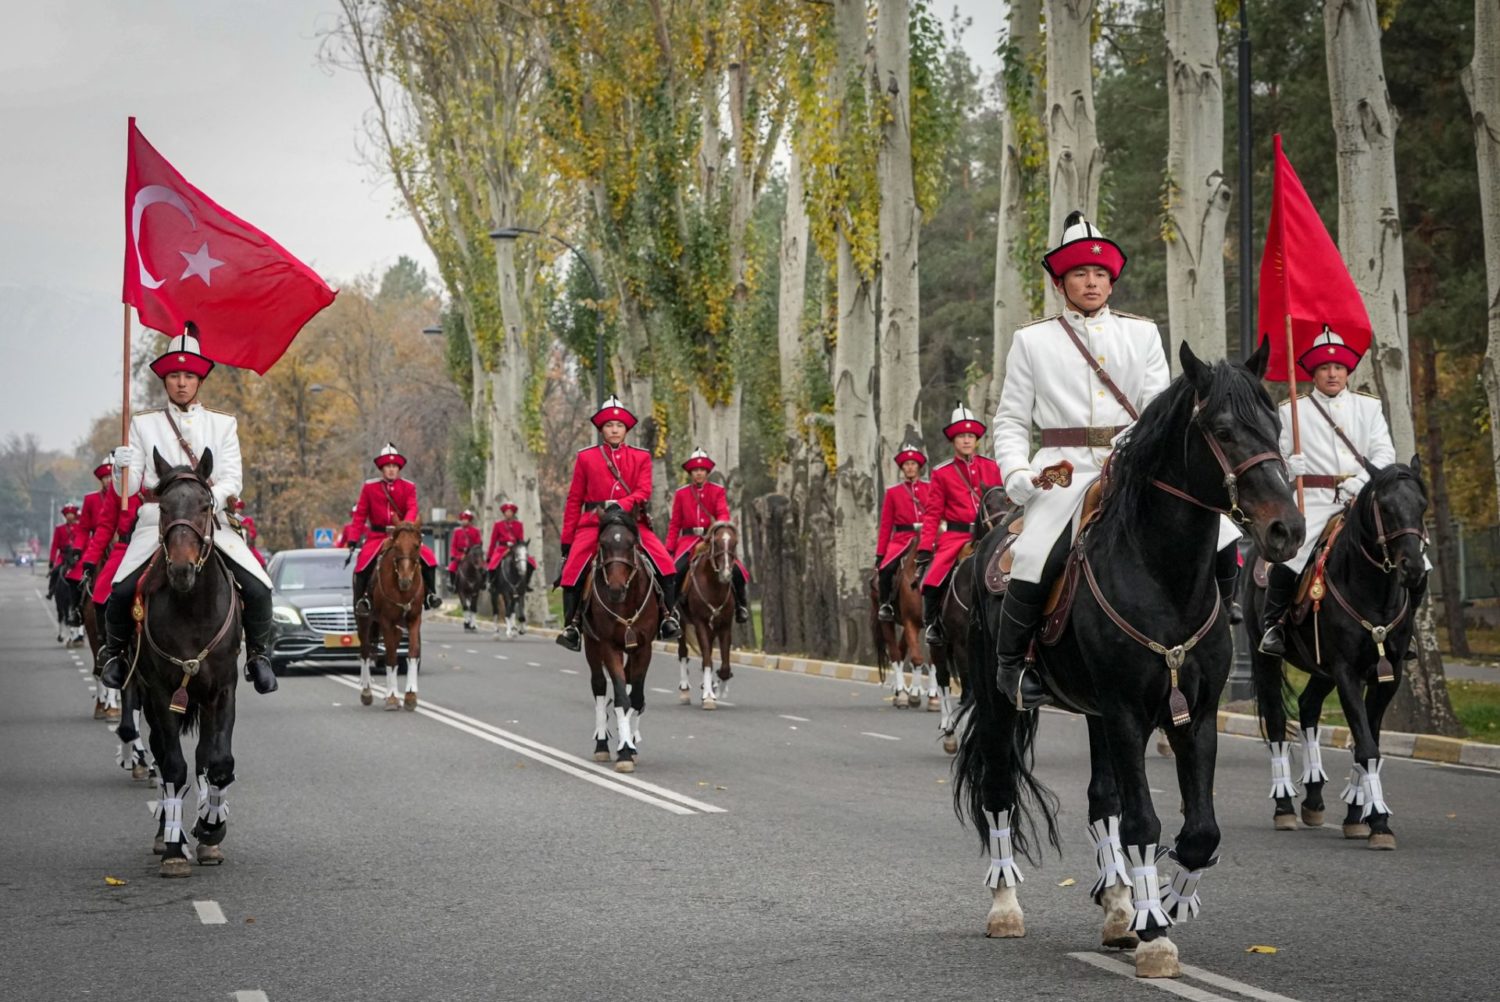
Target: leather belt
{"type": "Point", "coordinates": [907, 527]}
{"type": "Point", "coordinates": [592, 505]}
{"type": "Point", "coordinates": [1323, 481]}
{"type": "Point", "coordinates": [960, 527]}
{"type": "Point", "coordinates": [694, 532]}
{"type": "Point", "coordinates": [1080, 438]}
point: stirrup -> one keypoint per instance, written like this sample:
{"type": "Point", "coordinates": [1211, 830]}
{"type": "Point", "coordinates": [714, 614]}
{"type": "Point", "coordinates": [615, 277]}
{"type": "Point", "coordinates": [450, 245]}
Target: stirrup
{"type": "Point", "coordinates": [433, 600]}
{"type": "Point", "coordinates": [362, 607]}
{"type": "Point", "coordinates": [670, 628]}
{"type": "Point", "coordinates": [112, 672]}
{"type": "Point", "coordinates": [1236, 614]}
{"type": "Point", "coordinates": [1273, 641]}
{"type": "Point", "coordinates": [741, 614]}
{"type": "Point", "coordinates": [1023, 689]}
{"type": "Point", "coordinates": [934, 635]}
{"type": "Point", "coordinates": [570, 638]}
{"type": "Point", "coordinates": [885, 613]}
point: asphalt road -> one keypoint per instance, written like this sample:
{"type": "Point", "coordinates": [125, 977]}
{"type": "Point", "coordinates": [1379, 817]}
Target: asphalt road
{"type": "Point", "coordinates": [799, 844]}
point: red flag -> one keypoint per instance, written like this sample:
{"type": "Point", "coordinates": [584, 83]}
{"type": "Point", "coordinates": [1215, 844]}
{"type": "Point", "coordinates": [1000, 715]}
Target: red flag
{"type": "Point", "coordinates": [1303, 274]}
{"type": "Point", "coordinates": [187, 258]}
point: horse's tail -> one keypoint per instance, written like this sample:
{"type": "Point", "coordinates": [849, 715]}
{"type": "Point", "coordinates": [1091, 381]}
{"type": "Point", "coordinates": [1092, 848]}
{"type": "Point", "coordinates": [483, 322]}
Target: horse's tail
{"type": "Point", "coordinates": [976, 749]}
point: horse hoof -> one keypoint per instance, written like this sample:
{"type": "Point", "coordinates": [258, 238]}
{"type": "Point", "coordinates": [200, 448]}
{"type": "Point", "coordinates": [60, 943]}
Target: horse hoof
{"type": "Point", "coordinates": [98, 710]}
{"type": "Point", "coordinates": [158, 846]}
{"type": "Point", "coordinates": [1157, 959]}
{"type": "Point", "coordinates": [112, 713]}
{"type": "Point", "coordinates": [411, 701]}
{"type": "Point", "coordinates": [1382, 840]}
{"type": "Point", "coordinates": [392, 703]}
{"type": "Point", "coordinates": [1312, 818]}
{"type": "Point", "coordinates": [1286, 822]}
{"type": "Point", "coordinates": [709, 704]}
{"type": "Point", "coordinates": [601, 756]}
{"type": "Point", "coordinates": [950, 745]}
{"type": "Point", "coordinates": [1360, 830]}
{"type": "Point", "coordinates": [934, 705]}
{"type": "Point", "coordinates": [176, 866]}
{"type": "Point", "coordinates": [625, 765]}
{"type": "Point", "coordinates": [1004, 925]}
{"type": "Point", "coordinates": [138, 771]}
{"type": "Point", "coordinates": [366, 697]}
{"type": "Point", "coordinates": [209, 855]}
{"type": "Point", "coordinates": [683, 697]}
{"type": "Point", "coordinates": [900, 700]}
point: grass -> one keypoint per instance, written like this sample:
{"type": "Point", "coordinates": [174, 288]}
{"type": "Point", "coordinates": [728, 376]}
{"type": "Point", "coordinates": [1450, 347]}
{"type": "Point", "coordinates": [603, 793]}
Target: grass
{"type": "Point", "coordinates": [1484, 642]}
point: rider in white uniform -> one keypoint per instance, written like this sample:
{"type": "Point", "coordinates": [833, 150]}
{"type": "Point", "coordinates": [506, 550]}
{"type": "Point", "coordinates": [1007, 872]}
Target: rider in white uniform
{"type": "Point", "coordinates": [182, 369]}
{"type": "Point", "coordinates": [1331, 474]}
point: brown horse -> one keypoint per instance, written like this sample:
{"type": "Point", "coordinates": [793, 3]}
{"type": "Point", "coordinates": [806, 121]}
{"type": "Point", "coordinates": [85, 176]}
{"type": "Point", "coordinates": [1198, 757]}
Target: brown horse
{"type": "Point", "coordinates": [621, 612]}
{"type": "Point", "coordinates": [397, 594]}
{"type": "Point", "coordinates": [708, 610]}
{"type": "Point", "coordinates": [899, 644]}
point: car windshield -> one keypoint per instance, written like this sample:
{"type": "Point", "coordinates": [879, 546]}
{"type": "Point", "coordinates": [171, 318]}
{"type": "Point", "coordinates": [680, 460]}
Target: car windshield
{"type": "Point", "coordinates": [313, 574]}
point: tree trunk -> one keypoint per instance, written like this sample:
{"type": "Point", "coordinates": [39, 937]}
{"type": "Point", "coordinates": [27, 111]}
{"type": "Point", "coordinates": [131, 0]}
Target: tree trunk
{"type": "Point", "coordinates": [1075, 158]}
{"type": "Point", "coordinates": [716, 430]}
{"type": "Point", "coordinates": [1481, 80]}
{"type": "Point", "coordinates": [900, 226]}
{"type": "Point", "coordinates": [1364, 124]}
{"type": "Point", "coordinates": [1445, 547]}
{"type": "Point", "coordinates": [856, 441]}
{"type": "Point", "coordinates": [791, 301]}
{"type": "Point", "coordinates": [1197, 196]}
{"type": "Point", "coordinates": [1023, 28]}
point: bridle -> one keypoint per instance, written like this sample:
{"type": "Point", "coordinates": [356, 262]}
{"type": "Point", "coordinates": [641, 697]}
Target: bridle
{"type": "Point", "coordinates": [1232, 474]}
{"type": "Point", "coordinates": [397, 561]}
{"type": "Point", "coordinates": [601, 585]}
{"type": "Point", "coordinates": [724, 534]}
{"type": "Point", "coordinates": [205, 539]}
{"type": "Point", "coordinates": [1385, 563]}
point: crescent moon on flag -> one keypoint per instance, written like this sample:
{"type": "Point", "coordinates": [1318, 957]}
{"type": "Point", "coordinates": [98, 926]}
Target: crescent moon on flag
{"type": "Point", "coordinates": [150, 195]}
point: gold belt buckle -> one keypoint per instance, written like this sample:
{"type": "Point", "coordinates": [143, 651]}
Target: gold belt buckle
{"type": "Point", "coordinates": [1099, 438]}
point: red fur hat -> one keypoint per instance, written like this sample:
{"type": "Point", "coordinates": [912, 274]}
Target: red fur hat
{"type": "Point", "coordinates": [1082, 244]}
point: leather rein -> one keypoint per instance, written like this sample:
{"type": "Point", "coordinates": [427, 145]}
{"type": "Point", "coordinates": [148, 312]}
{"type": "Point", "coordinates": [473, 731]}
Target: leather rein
{"type": "Point", "coordinates": [600, 584]}
{"type": "Point", "coordinates": [712, 552]}
{"type": "Point", "coordinates": [1232, 474]}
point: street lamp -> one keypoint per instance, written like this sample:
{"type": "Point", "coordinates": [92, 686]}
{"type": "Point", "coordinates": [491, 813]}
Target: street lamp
{"type": "Point", "coordinates": [1241, 683]}
{"type": "Point", "coordinates": [513, 232]}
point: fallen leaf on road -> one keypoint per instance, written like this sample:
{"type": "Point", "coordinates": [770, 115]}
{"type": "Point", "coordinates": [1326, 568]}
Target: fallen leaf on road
{"type": "Point", "coordinates": [115, 881]}
{"type": "Point", "coordinates": [941, 781]}
{"type": "Point", "coordinates": [1452, 815]}
{"type": "Point", "coordinates": [1069, 882]}
{"type": "Point", "coordinates": [250, 921]}
{"type": "Point", "coordinates": [701, 783]}
{"type": "Point", "coordinates": [1260, 949]}
{"type": "Point", "coordinates": [721, 788]}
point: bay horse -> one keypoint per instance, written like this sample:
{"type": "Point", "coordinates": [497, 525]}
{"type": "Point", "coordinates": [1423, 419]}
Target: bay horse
{"type": "Point", "coordinates": [1354, 641]}
{"type": "Point", "coordinates": [899, 644]}
{"type": "Point", "coordinates": [708, 610]}
{"type": "Point", "coordinates": [621, 612]}
{"type": "Point", "coordinates": [1144, 646]}
{"type": "Point", "coordinates": [508, 584]}
{"type": "Point", "coordinates": [184, 663]}
{"type": "Point", "coordinates": [470, 577]}
{"type": "Point", "coordinates": [397, 596]}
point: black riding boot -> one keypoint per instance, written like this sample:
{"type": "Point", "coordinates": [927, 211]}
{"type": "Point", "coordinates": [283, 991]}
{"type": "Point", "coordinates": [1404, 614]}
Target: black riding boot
{"type": "Point", "coordinates": [362, 591]}
{"type": "Point", "coordinates": [118, 628]}
{"type": "Point", "coordinates": [670, 628]}
{"type": "Point", "coordinates": [1227, 572]}
{"type": "Point", "coordinates": [1018, 619]}
{"type": "Point", "coordinates": [429, 578]}
{"type": "Point", "coordinates": [255, 616]}
{"type": "Point", "coordinates": [741, 602]}
{"type": "Point", "coordinates": [453, 581]}
{"type": "Point", "coordinates": [570, 637]}
{"type": "Point", "coordinates": [1281, 583]}
{"type": "Point", "coordinates": [887, 575]}
{"type": "Point", "coordinates": [932, 616]}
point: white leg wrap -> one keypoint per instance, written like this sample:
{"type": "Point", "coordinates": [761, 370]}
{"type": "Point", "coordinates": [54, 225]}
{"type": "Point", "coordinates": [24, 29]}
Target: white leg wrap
{"type": "Point", "coordinates": [1364, 789]}
{"type": "Point", "coordinates": [1147, 889]}
{"type": "Point", "coordinates": [945, 719]}
{"type": "Point", "coordinates": [122, 755]}
{"type": "Point", "coordinates": [1312, 757]}
{"type": "Point", "coordinates": [898, 676]}
{"type": "Point", "coordinates": [364, 673]}
{"type": "Point", "coordinates": [1108, 855]}
{"type": "Point", "coordinates": [682, 674]}
{"type": "Point", "coordinates": [932, 686]}
{"type": "Point", "coordinates": [601, 718]}
{"type": "Point", "coordinates": [635, 727]}
{"type": "Point", "coordinates": [391, 681]}
{"type": "Point", "coordinates": [212, 807]}
{"type": "Point", "coordinates": [169, 809]}
{"type": "Point", "coordinates": [413, 669]}
{"type": "Point", "coordinates": [1003, 869]}
{"type": "Point", "coordinates": [112, 698]}
{"type": "Point", "coordinates": [708, 682]}
{"type": "Point", "coordinates": [1180, 899]}
{"type": "Point", "coordinates": [622, 722]}
{"type": "Point", "coordinates": [468, 618]}
{"type": "Point", "coordinates": [1281, 770]}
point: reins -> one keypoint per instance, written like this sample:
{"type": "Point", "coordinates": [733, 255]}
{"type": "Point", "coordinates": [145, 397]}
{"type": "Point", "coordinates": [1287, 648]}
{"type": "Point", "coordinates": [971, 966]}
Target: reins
{"type": "Point", "coordinates": [188, 666]}
{"type": "Point", "coordinates": [396, 561]}
{"type": "Point", "coordinates": [711, 553]}
{"type": "Point", "coordinates": [1232, 474]}
{"type": "Point", "coordinates": [596, 597]}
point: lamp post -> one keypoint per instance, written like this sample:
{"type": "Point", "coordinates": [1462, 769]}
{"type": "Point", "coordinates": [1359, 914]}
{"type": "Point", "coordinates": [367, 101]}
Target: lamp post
{"type": "Point", "coordinates": [1241, 682]}
{"type": "Point", "coordinates": [513, 232]}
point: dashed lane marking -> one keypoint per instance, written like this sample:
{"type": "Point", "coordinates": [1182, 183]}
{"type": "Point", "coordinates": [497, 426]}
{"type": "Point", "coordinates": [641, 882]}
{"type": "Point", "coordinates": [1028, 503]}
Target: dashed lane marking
{"type": "Point", "coordinates": [664, 692]}
{"type": "Point", "coordinates": [565, 671]}
{"type": "Point", "coordinates": [788, 716]}
{"type": "Point", "coordinates": [470, 651]}
{"type": "Point", "coordinates": [209, 912]}
{"type": "Point", "coordinates": [538, 664]}
{"type": "Point", "coordinates": [501, 657]}
{"type": "Point", "coordinates": [1128, 971]}
{"type": "Point", "coordinates": [251, 996]}
{"type": "Point", "coordinates": [883, 737]}
{"type": "Point", "coordinates": [1220, 981]}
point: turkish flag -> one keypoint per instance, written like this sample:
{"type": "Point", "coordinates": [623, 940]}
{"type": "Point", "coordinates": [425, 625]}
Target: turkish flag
{"type": "Point", "coordinates": [189, 259]}
{"type": "Point", "coordinates": [1303, 275]}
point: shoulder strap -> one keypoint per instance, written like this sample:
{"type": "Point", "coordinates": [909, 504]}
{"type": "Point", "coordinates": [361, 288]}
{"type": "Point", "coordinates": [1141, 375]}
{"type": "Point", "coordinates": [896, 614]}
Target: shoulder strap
{"type": "Point", "coordinates": [390, 499]}
{"type": "Point", "coordinates": [1099, 370]}
{"type": "Point", "coordinates": [1359, 456]}
{"type": "Point", "coordinates": [187, 449]}
{"type": "Point", "coordinates": [613, 470]}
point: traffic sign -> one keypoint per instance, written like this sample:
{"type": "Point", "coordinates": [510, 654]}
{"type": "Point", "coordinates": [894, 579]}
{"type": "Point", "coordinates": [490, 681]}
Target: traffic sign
{"type": "Point", "coordinates": [323, 538]}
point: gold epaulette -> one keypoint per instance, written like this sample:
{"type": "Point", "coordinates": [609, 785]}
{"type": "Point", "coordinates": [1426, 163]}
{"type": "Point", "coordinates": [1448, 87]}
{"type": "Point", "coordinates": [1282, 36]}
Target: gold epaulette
{"type": "Point", "coordinates": [1039, 320]}
{"type": "Point", "coordinates": [1132, 316]}
{"type": "Point", "coordinates": [212, 410]}
{"type": "Point", "coordinates": [1372, 396]}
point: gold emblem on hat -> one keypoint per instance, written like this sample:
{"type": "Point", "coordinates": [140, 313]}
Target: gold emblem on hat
{"type": "Point", "coordinates": [182, 358]}
{"type": "Point", "coordinates": [1096, 249]}
{"type": "Point", "coordinates": [1330, 349]}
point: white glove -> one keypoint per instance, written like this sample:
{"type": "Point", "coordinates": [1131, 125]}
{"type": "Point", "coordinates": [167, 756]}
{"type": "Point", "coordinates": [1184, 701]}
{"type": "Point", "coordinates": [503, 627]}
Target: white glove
{"type": "Point", "coordinates": [1019, 488]}
{"type": "Point", "coordinates": [1296, 464]}
{"type": "Point", "coordinates": [124, 456]}
{"type": "Point", "coordinates": [1351, 487]}
{"type": "Point", "coordinates": [611, 503]}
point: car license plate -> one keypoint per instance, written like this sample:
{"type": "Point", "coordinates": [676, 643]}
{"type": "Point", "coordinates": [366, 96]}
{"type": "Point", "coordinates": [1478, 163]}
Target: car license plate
{"type": "Point", "coordinates": [339, 640]}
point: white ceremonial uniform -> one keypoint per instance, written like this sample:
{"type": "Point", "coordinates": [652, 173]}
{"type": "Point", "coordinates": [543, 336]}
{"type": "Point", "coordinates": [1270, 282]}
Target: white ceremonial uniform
{"type": "Point", "coordinates": [203, 429]}
{"type": "Point", "coordinates": [1363, 421]}
{"type": "Point", "coordinates": [1049, 385]}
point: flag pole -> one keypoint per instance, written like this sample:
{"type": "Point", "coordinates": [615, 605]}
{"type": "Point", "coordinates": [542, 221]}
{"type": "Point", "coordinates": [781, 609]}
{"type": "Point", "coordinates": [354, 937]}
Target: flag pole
{"type": "Point", "coordinates": [124, 487]}
{"type": "Point", "coordinates": [1291, 383]}
{"type": "Point", "coordinates": [1278, 212]}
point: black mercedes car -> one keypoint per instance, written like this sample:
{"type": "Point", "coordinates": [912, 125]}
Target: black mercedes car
{"type": "Point", "coordinates": [312, 599]}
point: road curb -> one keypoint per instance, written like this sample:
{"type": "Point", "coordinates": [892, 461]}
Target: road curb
{"type": "Point", "coordinates": [1394, 744]}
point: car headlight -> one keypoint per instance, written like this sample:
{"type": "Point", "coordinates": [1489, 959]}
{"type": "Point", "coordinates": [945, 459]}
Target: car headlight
{"type": "Point", "coordinates": [286, 614]}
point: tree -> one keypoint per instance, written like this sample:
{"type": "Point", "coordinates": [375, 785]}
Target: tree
{"type": "Point", "coordinates": [1481, 82]}
{"type": "Point", "coordinates": [1076, 160]}
{"type": "Point", "coordinates": [791, 343]}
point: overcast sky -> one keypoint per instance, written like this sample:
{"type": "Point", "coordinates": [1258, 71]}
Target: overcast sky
{"type": "Point", "coordinates": [234, 95]}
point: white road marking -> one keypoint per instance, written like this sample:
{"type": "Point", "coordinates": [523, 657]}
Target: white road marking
{"type": "Point", "coordinates": [538, 664]}
{"type": "Point", "coordinates": [565, 671]}
{"type": "Point", "coordinates": [788, 716]}
{"type": "Point", "coordinates": [664, 692]}
{"type": "Point", "coordinates": [1220, 981]}
{"type": "Point", "coordinates": [1165, 984]}
{"type": "Point", "coordinates": [592, 772]}
{"type": "Point", "coordinates": [446, 647]}
{"type": "Point", "coordinates": [883, 737]}
{"type": "Point", "coordinates": [251, 996]}
{"type": "Point", "coordinates": [467, 651]}
{"type": "Point", "coordinates": [501, 657]}
{"type": "Point", "coordinates": [209, 912]}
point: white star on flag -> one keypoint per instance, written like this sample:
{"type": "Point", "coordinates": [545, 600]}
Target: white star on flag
{"type": "Point", "coordinates": [199, 263]}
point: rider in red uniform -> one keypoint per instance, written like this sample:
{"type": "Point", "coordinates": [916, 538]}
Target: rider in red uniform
{"type": "Point", "coordinates": [465, 536]}
{"type": "Point", "coordinates": [349, 534]}
{"type": "Point", "coordinates": [108, 543]}
{"type": "Point", "coordinates": [89, 518]}
{"type": "Point", "coordinates": [900, 522]}
{"type": "Point", "coordinates": [614, 474]}
{"type": "Point", "coordinates": [248, 529]}
{"type": "Point", "coordinates": [953, 496]}
{"type": "Point", "coordinates": [506, 532]}
{"type": "Point", "coordinates": [696, 506]}
{"type": "Point", "coordinates": [383, 502]}
{"type": "Point", "coordinates": [64, 538]}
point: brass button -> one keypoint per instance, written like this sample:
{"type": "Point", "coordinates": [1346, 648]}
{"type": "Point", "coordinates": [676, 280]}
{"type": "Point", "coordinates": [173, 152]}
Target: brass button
{"type": "Point", "coordinates": [1101, 394]}
{"type": "Point", "coordinates": [1101, 359]}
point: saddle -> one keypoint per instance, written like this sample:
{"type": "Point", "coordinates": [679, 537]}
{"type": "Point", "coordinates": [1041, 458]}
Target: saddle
{"type": "Point", "coordinates": [1060, 598]}
{"type": "Point", "coordinates": [1310, 587]}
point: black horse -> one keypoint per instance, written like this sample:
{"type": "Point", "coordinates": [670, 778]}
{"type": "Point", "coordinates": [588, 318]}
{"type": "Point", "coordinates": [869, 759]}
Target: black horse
{"type": "Point", "coordinates": [469, 580]}
{"type": "Point", "coordinates": [65, 594]}
{"type": "Point", "coordinates": [185, 654]}
{"type": "Point", "coordinates": [510, 582]}
{"type": "Point", "coordinates": [1356, 642]}
{"type": "Point", "coordinates": [1145, 647]}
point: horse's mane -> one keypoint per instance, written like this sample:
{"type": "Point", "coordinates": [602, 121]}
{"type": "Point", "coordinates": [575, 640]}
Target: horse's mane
{"type": "Point", "coordinates": [611, 518]}
{"type": "Point", "coordinates": [1360, 528]}
{"type": "Point", "coordinates": [1152, 442]}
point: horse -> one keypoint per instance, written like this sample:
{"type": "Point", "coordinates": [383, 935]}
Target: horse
{"type": "Point", "coordinates": [1206, 446]}
{"type": "Point", "coordinates": [899, 644]}
{"type": "Point", "coordinates": [621, 613]}
{"type": "Point", "coordinates": [65, 595]}
{"type": "Point", "coordinates": [1355, 640]}
{"type": "Point", "coordinates": [508, 582]}
{"type": "Point", "coordinates": [708, 609]}
{"type": "Point", "coordinates": [185, 661]}
{"type": "Point", "coordinates": [397, 593]}
{"type": "Point", "coordinates": [470, 578]}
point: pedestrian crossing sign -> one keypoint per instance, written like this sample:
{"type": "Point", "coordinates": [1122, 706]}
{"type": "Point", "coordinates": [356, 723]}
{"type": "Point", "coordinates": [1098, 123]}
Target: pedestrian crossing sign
{"type": "Point", "coordinates": [323, 538]}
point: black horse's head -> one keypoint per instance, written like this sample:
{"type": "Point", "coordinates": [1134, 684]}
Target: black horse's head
{"type": "Point", "coordinates": [1387, 518]}
{"type": "Point", "coordinates": [187, 518]}
{"type": "Point", "coordinates": [618, 564]}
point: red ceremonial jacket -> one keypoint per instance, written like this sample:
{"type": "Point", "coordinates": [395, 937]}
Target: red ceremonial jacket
{"type": "Point", "coordinates": [695, 507]}
{"type": "Point", "coordinates": [383, 503]}
{"type": "Point", "coordinates": [114, 528]}
{"type": "Point", "coordinates": [464, 537]}
{"type": "Point", "coordinates": [904, 504]}
{"type": "Point", "coordinates": [62, 538]}
{"type": "Point", "coordinates": [504, 532]}
{"type": "Point", "coordinates": [594, 483]}
{"type": "Point", "coordinates": [954, 494]}
{"type": "Point", "coordinates": [347, 536]}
